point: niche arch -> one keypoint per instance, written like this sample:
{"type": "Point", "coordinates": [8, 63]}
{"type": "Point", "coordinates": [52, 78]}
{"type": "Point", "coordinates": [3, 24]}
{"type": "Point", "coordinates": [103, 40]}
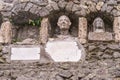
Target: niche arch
{"type": "Point", "coordinates": [107, 18]}
{"type": "Point", "coordinates": [26, 25]}
{"type": "Point", "coordinates": [53, 18]}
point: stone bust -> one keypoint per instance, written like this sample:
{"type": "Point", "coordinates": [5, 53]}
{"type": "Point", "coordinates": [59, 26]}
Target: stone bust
{"type": "Point", "coordinates": [64, 24]}
{"type": "Point", "coordinates": [98, 25]}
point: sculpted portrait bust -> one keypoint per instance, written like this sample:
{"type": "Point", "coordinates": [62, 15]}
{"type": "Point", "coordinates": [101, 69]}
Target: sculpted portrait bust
{"type": "Point", "coordinates": [98, 25]}
{"type": "Point", "coordinates": [64, 24]}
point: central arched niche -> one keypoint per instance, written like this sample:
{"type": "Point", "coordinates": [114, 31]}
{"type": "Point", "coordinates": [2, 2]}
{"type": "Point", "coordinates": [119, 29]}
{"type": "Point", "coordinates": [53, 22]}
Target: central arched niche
{"type": "Point", "coordinates": [25, 27]}
{"type": "Point", "coordinates": [53, 18]}
{"type": "Point", "coordinates": [65, 48]}
{"type": "Point", "coordinates": [108, 25]}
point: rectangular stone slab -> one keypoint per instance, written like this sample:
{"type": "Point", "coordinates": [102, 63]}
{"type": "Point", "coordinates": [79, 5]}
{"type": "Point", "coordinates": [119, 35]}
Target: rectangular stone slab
{"type": "Point", "coordinates": [100, 36]}
{"type": "Point", "coordinates": [63, 51]}
{"type": "Point", "coordinates": [25, 53]}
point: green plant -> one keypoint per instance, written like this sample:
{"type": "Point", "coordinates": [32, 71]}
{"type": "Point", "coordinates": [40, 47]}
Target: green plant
{"type": "Point", "coordinates": [36, 22]}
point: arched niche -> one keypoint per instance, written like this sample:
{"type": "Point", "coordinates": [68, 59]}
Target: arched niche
{"type": "Point", "coordinates": [106, 17]}
{"type": "Point", "coordinates": [26, 25]}
{"type": "Point", "coordinates": [98, 34]}
{"type": "Point", "coordinates": [53, 19]}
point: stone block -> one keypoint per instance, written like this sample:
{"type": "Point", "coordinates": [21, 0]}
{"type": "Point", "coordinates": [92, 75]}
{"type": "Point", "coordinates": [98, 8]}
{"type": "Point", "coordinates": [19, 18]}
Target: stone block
{"type": "Point", "coordinates": [116, 28]}
{"type": "Point", "coordinates": [100, 36]}
{"type": "Point", "coordinates": [54, 6]}
{"type": "Point", "coordinates": [44, 30]}
{"type": "Point", "coordinates": [82, 32]}
{"type": "Point", "coordinates": [6, 32]}
{"type": "Point", "coordinates": [62, 4]}
{"type": "Point", "coordinates": [99, 5]}
{"type": "Point", "coordinates": [43, 12]}
{"type": "Point", "coordinates": [69, 6]}
{"type": "Point", "coordinates": [63, 51]}
{"type": "Point", "coordinates": [25, 53]}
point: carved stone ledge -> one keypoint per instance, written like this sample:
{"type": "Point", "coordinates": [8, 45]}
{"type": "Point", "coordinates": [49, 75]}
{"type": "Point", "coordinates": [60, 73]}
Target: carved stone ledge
{"type": "Point", "coordinates": [100, 36]}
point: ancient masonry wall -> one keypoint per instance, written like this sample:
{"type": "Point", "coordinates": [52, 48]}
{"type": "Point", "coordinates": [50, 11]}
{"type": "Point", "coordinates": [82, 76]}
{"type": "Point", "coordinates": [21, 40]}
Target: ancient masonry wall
{"type": "Point", "coordinates": [103, 58]}
{"type": "Point", "coordinates": [102, 62]}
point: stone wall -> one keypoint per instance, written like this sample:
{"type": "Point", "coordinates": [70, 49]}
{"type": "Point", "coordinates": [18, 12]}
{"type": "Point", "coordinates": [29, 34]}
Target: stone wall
{"type": "Point", "coordinates": [45, 7]}
{"type": "Point", "coordinates": [103, 58]}
{"type": "Point", "coordinates": [20, 11]}
{"type": "Point", "coordinates": [102, 63]}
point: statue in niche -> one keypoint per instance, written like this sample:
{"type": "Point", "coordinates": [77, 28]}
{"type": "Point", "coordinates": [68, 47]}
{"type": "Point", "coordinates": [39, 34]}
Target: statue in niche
{"type": "Point", "coordinates": [98, 25]}
{"type": "Point", "coordinates": [64, 47]}
{"type": "Point", "coordinates": [64, 25]}
{"type": "Point", "coordinates": [99, 33]}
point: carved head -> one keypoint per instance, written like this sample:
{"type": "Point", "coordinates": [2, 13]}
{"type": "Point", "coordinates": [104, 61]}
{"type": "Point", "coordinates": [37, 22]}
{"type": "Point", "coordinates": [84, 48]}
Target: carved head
{"type": "Point", "coordinates": [64, 22]}
{"type": "Point", "coordinates": [98, 25]}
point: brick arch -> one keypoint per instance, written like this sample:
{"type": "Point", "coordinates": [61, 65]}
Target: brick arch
{"type": "Point", "coordinates": [44, 8]}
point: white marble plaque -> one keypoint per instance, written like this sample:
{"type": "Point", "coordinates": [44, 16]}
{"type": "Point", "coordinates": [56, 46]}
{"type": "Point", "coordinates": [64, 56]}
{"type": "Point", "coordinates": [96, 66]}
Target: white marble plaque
{"type": "Point", "coordinates": [63, 51]}
{"type": "Point", "coordinates": [25, 53]}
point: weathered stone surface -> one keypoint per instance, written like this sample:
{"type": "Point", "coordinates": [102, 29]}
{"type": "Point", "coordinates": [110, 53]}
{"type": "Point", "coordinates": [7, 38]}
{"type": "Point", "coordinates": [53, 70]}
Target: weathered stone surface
{"type": "Point", "coordinates": [91, 48]}
{"type": "Point", "coordinates": [32, 9]}
{"type": "Point", "coordinates": [91, 70]}
{"type": "Point", "coordinates": [49, 8]}
{"type": "Point", "coordinates": [64, 51]}
{"type": "Point", "coordinates": [6, 32]}
{"type": "Point", "coordinates": [69, 6]}
{"type": "Point", "coordinates": [28, 41]}
{"type": "Point", "coordinates": [112, 2]}
{"type": "Point", "coordinates": [100, 36]}
{"type": "Point", "coordinates": [28, 6]}
{"type": "Point", "coordinates": [116, 54]}
{"type": "Point", "coordinates": [26, 32]}
{"type": "Point", "coordinates": [104, 7]}
{"type": "Point", "coordinates": [2, 5]}
{"type": "Point", "coordinates": [106, 56]}
{"type": "Point", "coordinates": [99, 5]}
{"type": "Point", "coordinates": [65, 74]}
{"type": "Point", "coordinates": [82, 31]}
{"type": "Point", "coordinates": [45, 25]}
{"type": "Point", "coordinates": [116, 28]}
{"type": "Point", "coordinates": [114, 12]}
{"type": "Point", "coordinates": [40, 2]}
{"type": "Point", "coordinates": [62, 4]}
{"type": "Point", "coordinates": [54, 5]}
{"type": "Point", "coordinates": [92, 6]}
{"type": "Point", "coordinates": [76, 7]}
{"type": "Point", "coordinates": [59, 78]}
{"type": "Point", "coordinates": [109, 9]}
{"type": "Point", "coordinates": [113, 46]}
{"type": "Point", "coordinates": [24, 0]}
{"type": "Point", "coordinates": [43, 12]}
{"type": "Point", "coordinates": [25, 53]}
{"type": "Point", "coordinates": [102, 47]}
{"type": "Point", "coordinates": [82, 12]}
{"type": "Point", "coordinates": [118, 7]}
{"type": "Point", "coordinates": [5, 49]}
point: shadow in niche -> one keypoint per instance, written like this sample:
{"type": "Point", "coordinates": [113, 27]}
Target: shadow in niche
{"type": "Point", "coordinates": [1, 20]}
{"type": "Point", "coordinates": [107, 18]}
{"type": "Point", "coordinates": [25, 27]}
{"type": "Point", "coordinates": [53, 18]}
